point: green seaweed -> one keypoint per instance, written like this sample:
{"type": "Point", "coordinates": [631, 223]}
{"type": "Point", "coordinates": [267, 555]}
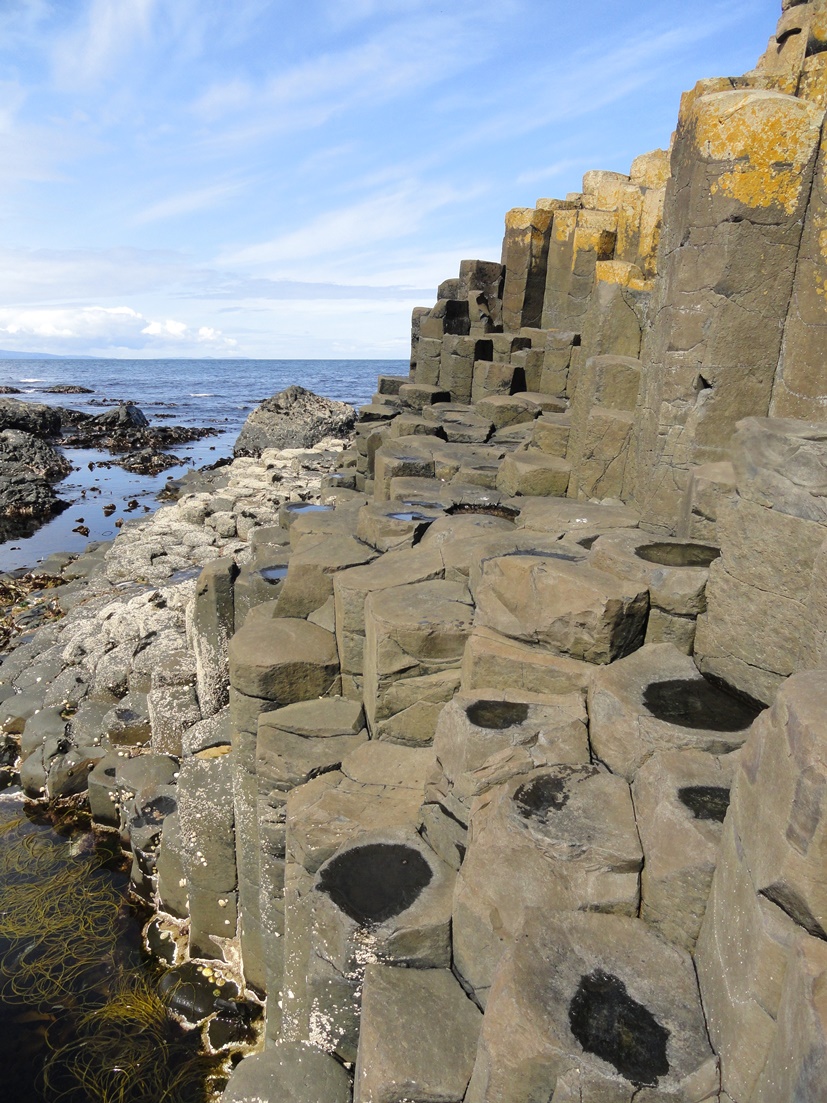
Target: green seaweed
{"type": "Point", "coordinates": [89, 999]}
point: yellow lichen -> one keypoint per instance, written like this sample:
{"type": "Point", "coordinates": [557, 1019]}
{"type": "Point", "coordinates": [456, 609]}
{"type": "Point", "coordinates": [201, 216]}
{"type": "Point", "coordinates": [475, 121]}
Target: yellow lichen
{"type": "Point", "coordinates": [767, 138]}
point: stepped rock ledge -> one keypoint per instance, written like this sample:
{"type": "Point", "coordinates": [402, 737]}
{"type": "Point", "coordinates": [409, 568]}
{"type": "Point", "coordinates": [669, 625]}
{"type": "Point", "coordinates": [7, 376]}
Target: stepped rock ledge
{"type": "Point", "coordinates": [486, 749]}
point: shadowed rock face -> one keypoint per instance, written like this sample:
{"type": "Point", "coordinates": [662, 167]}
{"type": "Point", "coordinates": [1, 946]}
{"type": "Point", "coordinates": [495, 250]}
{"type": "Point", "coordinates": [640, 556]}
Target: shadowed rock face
{"type": "Point", "coordinates": [504, 512]}
{"type": "Point", "coordinates": [373, 883]}
{"type": "Point", "coordinates": [496, 715]}
{"type": "Point", "coordinates": [705, 802]}
{"type": "Point", "coordinates": [607, 1022]}
{"type": "Point", "coordinates": [698, 704]}
{"type": "Point", "coordinates": [679, 555]}
{"type": "Point", "coordinates": [154, 811]}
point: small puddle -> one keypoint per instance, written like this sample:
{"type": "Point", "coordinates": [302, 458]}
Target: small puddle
{"type": "Point", "coordinates": [697, 703]}
{"type": "Point", "coordinates": [410, 516]}
{"type": "Point", "coordinates": [273, 574]}
{"type": "Point", "coordinates": [679, 555]}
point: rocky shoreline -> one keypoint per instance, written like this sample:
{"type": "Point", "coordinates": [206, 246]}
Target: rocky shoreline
{"type": "Point", "coordinates": [486, 752]}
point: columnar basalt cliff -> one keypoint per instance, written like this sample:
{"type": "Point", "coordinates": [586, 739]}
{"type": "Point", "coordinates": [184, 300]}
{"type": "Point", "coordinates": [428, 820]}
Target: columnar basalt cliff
{"type": "Point", "coordinates": [499, 766]}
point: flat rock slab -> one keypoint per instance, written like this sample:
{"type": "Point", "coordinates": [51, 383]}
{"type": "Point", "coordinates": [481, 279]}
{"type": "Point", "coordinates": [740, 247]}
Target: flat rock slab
{"type": "Point", "coordinates": [593, 1007]}
{"type": "Point", "coordinates": [570, 608]}
{"type": "Point", "coordinates": [533, 473]}
{"type": "Point", "coordinates": [657, 700]}
{"type": "Point", "coordinates": [418, 1037]}
{"type": "Point", "coordinates": [284, 660]}
{"type": "Point", "coordinates": [289, 1072]}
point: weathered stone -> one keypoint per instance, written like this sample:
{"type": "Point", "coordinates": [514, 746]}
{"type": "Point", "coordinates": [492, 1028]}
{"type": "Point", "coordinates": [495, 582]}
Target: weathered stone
{"type": "Point", "coordinates": [417, 1038]}
{"type": "Point", "coordinates": [493, 661]}
{"type": "Point", "coordinates": [797, 1062]}
{"type": "Point", "coordinates": [741, 958]}
{"type": "Point", "coordinates": [286, 661]}
{"type": "Point", "coordinates": [733, 220]}
{"type": "Point", "coordinates": [681, 798]}
{"type": "Point", "coordinates": [482, 741]}
{"type": "Point", "coordinates": [293, 418]}
{"type": "Point", "coordinates": [289, 1072]}
{"type": "Point", "coordinates": [562, 838]}
{"type": "Point", "coordinates": [570, 608]}
{"type": "Point", "coordinates": [656, 700]}
{"type": "Point", "coordinates": [675, 572]}
{"type": "Point", "coordinates": [384, 896]}
{"type": "Point", "coordinates": [411, 631]}
{"type": "Point", "coordinates": [579, 1010]}
{"type": "Point", "coordinates": [212, 623]}
{"type": "Point", "coordinates": [533, 473]}
{"type": "Point", "coordinates": [782, 464]}
{"type": "Point", "coordinates": [309, 580]}
{"type": "Point", "coordinates": [299, 741]}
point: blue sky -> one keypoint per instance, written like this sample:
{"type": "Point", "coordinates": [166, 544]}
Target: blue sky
{"type": "Point", "coordinates": [268, 178]}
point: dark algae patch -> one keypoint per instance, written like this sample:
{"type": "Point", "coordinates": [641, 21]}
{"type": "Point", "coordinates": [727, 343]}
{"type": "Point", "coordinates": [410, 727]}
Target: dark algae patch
{"type": "Point", "coordinates": [373, 883]}
{"type": "Point", "coordinates": [607, 1022]}
{"type": "Point", "coordinates": [81, 1020]}
{"type": "Point", "coordinates": [496, 715]}
{"type": "Point", "coordinates": [697, 703]}
{"type": "Point", "coordinates": [705, 802]}
{"type": "Point", "coordinates": [547, 793]}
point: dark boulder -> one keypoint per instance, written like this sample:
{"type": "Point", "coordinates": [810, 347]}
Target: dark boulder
{"type": "Point", "coordinates": [126, 416]}
{"type": "Point", "coordinates": [293, 418]}
{"type": "Point", "coordinates": [68, 388]}
{"type": "Point", "coordinates": [28, 466]}
{"type": "Point", "coordinates": [32, 417]}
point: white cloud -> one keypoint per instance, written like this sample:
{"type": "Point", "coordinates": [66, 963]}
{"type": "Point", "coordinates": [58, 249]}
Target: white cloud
{"type": "Point", "coordinates": [67, 329]}
{"type": "Point", "coordinates": [109, 31]}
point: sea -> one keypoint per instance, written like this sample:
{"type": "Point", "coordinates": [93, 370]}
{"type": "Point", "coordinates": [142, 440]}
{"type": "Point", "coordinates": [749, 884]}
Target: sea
{"type": "Point", "coordinates": [216, 394]}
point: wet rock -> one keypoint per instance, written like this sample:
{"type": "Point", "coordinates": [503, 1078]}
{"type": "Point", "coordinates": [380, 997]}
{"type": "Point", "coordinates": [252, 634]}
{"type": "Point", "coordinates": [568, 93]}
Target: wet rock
{"type": "Point", "coordinates": [31, 417]}
{"type": "Point", "coordinates": [289, 1072]}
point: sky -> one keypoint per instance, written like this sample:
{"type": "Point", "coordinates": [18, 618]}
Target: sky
{"type": "Point", "coordinates": [273, 179]}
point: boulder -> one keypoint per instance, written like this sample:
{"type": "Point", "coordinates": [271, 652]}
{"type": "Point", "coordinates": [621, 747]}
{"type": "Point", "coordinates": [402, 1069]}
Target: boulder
{"type": "Point", "coordinates": [293, 418]}
{"type": "Point", "coordinates": [31, 417]}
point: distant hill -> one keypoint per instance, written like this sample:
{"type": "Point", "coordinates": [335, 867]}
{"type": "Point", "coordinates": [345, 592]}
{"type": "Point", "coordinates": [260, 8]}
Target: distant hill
{"type": "Point", "coordinates": [7, 354]}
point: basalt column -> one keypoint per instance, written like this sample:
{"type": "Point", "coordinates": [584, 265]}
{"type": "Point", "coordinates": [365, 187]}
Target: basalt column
{"type": "Point", "coordinates": [742, 168]}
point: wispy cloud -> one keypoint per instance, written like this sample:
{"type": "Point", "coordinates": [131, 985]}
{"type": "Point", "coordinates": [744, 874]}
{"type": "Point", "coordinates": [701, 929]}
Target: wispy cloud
{"type": "Point", "coordinates": [176, 206]}
{"type": "Point", "coordinates": [384, 217]}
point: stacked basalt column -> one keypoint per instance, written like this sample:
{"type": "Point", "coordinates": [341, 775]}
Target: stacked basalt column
{"type": "Point", "coordinates": [732, 231]}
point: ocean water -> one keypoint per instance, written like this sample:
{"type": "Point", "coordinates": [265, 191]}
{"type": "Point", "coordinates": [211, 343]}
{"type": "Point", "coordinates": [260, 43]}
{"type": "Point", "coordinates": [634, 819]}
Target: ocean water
{"type": "Point", "coordinates": [217, 394]}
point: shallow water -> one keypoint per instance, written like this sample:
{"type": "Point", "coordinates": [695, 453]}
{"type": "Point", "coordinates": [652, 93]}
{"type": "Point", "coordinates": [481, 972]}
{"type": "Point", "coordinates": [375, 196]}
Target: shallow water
{"type": "Point", "coordinates": [80, 1019]}
{"type": "Point", "coordinates": [216, 394]}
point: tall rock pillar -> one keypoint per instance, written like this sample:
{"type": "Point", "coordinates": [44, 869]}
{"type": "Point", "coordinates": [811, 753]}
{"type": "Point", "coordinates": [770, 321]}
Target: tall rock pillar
{"type": "Point", "coordinates": [742, 172]}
